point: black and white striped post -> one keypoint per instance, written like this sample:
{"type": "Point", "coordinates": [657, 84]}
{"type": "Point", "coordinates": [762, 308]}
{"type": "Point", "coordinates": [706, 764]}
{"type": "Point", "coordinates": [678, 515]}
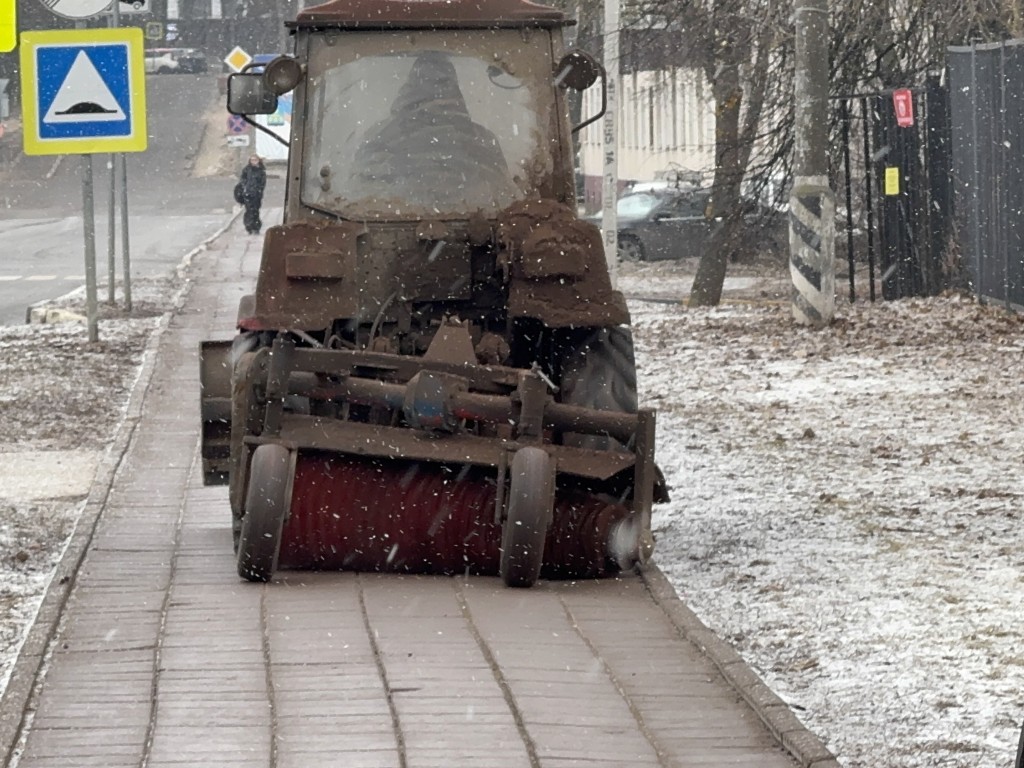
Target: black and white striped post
{"type": "Point", "coordinates": [812, 204]}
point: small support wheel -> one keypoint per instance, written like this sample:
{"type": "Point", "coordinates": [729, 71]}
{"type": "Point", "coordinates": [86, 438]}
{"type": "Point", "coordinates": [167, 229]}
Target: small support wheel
{"type": "Point", "coordinates": [266, 505]}
{"type": "Point", "coordinates": [530, 508]}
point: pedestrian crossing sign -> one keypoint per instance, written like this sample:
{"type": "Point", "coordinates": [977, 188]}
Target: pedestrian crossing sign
{"type": "Point", "coordinates": [83, 91]}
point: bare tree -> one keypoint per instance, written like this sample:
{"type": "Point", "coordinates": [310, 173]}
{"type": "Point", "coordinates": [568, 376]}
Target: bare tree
{"type": "Point", "coordinates": [745, 50]}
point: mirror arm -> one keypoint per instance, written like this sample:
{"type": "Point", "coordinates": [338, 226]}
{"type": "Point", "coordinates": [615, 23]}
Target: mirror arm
{"type": "Point", "coordinates": [604, 106]}
{"type": "Point", "coordinates": [266, 130]}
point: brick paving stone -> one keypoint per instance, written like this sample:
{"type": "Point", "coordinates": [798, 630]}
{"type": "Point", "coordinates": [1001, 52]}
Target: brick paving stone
{"type": "Point", "coordinates": [340, 669]}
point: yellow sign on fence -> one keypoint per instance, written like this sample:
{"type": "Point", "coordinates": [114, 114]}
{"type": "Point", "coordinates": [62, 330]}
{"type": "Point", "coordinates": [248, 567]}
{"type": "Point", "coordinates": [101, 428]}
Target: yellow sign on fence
{"type": "Point", "coordinates": [892, 181]}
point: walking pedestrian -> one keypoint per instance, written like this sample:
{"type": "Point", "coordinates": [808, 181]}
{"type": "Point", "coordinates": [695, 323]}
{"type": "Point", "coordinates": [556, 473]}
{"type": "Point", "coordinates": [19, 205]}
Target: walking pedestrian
{"type": "Point", "coordinates": [250, 188]}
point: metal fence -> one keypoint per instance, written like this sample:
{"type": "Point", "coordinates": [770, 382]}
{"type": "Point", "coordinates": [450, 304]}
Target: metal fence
{"type": "Point", "coordinates": [987, 104]}
{"type": "Point", "coordinates": [896, 190]}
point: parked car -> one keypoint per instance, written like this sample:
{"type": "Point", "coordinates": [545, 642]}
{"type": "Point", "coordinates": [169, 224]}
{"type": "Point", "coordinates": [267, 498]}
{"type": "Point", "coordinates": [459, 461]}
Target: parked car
{"type": "Point", "coordinates": [166, 61]}
{"type": "Point", "coordinates": [192, 61]}
{"type": "Point", "coordinates": [162, 61]}
{"type": "Point", "coordinates": [667, 223]}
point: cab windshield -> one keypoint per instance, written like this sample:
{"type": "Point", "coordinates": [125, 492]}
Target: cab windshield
{"type": "Point", "coordinates": [401, 126]}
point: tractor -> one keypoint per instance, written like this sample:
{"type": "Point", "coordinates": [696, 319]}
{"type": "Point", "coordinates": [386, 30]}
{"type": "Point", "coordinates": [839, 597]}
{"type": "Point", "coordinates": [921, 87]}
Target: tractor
{"type": "Point", "coordinates": [434, 373]}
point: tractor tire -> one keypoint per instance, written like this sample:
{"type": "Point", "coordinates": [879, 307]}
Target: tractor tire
{"type": "Point", "coordinates": [245, 420]}
{"type": "Point", "coordinates": [600, 373]}
{"type": "Point", "coordinates": [266, 506]}
{"type": "Point", "coordinates": [531, 501]}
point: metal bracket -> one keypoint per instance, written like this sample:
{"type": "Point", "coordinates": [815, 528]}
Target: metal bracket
{"type": "Point", "coordinates": [499, 495]}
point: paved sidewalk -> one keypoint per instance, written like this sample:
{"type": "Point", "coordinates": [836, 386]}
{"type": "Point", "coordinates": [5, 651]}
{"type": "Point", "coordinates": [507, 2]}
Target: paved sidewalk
{"type": "Point", "coordinates": [165, 658]}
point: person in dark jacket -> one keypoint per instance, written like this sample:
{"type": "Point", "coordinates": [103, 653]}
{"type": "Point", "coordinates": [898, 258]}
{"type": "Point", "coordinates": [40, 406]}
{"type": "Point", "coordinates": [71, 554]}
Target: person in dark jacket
{"type": "Point", "coordinates": [430, 139]}
{"type": "Point", "coordinates": [252, 182]}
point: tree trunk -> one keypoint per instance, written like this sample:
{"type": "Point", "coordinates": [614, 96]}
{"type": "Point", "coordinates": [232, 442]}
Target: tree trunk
{"type": "Point", "coordinates": [725, 190]}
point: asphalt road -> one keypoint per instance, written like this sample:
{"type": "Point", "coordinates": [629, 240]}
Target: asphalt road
{"type": "Point", "coordinates": [42, 243]}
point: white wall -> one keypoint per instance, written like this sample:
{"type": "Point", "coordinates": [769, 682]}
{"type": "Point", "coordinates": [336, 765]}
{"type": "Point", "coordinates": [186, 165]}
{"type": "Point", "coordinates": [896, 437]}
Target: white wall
{"type": "Point", "coordinates": [666, 121]}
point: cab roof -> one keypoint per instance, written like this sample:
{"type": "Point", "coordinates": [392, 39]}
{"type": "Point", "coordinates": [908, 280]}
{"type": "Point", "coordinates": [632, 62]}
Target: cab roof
{"type": "Point", "coordinates": [429, 14]}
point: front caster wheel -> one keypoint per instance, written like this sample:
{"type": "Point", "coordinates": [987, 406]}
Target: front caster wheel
{"type": "Point", "coordinates": [530, 507]}
{"type": "Point", "coordinates": [266, 505]}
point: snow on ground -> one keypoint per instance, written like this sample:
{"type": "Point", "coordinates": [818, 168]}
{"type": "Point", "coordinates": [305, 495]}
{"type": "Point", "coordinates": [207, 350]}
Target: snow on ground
{"type": "Point", "coordinates": [61, 399]}
{"type": "Point", "coordinates": [844, 502]}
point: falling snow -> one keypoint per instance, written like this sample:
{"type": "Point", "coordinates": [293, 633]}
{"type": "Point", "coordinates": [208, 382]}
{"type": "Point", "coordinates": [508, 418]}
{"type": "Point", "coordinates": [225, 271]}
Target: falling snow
{"type": "Point", "coordinates": [843, 511]}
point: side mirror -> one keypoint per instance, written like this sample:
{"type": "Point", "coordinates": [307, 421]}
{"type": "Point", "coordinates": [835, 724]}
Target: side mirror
{"type": "Point", "coordinates": [249, 95]}
{"type": "Point", "coordinates": [578, 70]}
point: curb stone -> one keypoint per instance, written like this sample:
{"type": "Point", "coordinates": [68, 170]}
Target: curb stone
{"type": "Point", "coordinates": [806, 748]}
{"type": "Point", "coordinates": [16, 703]}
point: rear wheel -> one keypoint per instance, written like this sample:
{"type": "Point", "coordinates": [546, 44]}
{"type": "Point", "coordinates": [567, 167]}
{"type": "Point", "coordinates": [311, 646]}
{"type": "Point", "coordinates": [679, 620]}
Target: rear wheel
{"type": "Point", "coordinates": [600, 373]}
{"type": "Point", "coordinates": [259, 540]}
{"type": "Point", "coordinates": [245, 420]}
{"type": "Point", "coordinates": [530, 507]}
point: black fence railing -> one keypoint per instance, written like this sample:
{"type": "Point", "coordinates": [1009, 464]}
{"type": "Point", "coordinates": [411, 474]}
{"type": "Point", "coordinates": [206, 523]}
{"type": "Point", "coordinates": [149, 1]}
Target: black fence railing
{"type": "Point", "coordinates": [896, 192]}
{"type": "Point", "coordinates": [987, 105]}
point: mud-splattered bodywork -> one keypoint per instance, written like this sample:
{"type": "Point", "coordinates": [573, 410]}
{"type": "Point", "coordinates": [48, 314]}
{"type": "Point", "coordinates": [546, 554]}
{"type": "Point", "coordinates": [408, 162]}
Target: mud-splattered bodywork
{"type": "Point", "coordinates": [391, 199]}
{"type": "Point", "coordinates": [433, 308]}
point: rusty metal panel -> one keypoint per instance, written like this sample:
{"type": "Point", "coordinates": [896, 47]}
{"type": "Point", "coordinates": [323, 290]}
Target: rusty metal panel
{"type": "Point", "coordinates": [375, 440]}
{"type": "Point", "coordinates": [406, 14]}
{"type": "Point", "coordinates": [215, 409]}
{"type": "Point", "coordinates": [306, 303]}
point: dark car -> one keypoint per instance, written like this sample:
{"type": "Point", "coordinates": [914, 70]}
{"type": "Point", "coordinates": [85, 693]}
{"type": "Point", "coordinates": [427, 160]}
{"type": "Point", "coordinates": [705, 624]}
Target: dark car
{"type": "Point", "coordinates": [192, 61]}
{"type": "Point", "coordinates": [664, 223]}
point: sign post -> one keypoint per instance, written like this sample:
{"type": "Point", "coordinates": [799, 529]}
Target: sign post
{"type": "Point", "coordinates": [83, 92]}
{"type": "Point", "coordinates": [115, 22]}
{"type": "Point", "coordinates": [610, 141]}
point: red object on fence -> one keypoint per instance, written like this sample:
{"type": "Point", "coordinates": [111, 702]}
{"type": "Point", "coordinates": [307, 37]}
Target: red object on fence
{"type": "Point", "coordinates": [903, 101]}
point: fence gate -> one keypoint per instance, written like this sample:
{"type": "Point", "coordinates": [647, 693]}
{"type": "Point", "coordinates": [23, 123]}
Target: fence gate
{"type": "Point", "coordinates": [898, 189]}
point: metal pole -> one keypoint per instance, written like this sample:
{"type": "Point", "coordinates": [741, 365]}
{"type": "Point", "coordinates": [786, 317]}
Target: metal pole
{"type": "Point", "coordinates": [89, 226]}
{"type": "Point", "coordinates": [111, 219]}
{"type": "Point", "coordinates": [869, 194]}
{"type": "Point", "coordinates": [610, 188]}
{"type": "Point", "coordinates": [999, 210]}
{"type": "Point", "coordinates": [89, 232]}
{"type": "Point", "coordinates": [849, 195]}
{"type": "Point", "coordinates": [115, 22]}
{"type": "Point", "coordinates": [125, 249]}
{"type": "Point", "coordinates": [112, 266]}
{"type": "Point", "coordinates": [976, 186]}
{"type": "Point", "coordinates": [811, 203]}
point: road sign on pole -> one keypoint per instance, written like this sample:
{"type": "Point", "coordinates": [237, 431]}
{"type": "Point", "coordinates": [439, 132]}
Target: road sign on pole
{"type": "Point", "coordinates": [237, 124]}
{"type": "Point", "coordinates": [77, 9]}
{"type": "Point", "coordinates": [83, 91]}
{"type": "Point", "coordinates": [133, 6]}
{"type": "Point", "coordinates": [237, 59]}
{"type": "Point", "coordinates": [8, 25]}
